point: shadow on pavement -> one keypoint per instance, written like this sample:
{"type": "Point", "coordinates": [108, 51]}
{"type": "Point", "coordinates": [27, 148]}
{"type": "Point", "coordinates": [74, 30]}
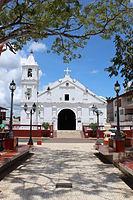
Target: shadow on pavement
{"type": "Point", "coordinates": [128, 180]}
{"type": "Point", "coordinates": [13, 166]}
{"type": "Point", "coordinates": [102, 158]}
{"type": "Point", "coordinates": [38, 176]}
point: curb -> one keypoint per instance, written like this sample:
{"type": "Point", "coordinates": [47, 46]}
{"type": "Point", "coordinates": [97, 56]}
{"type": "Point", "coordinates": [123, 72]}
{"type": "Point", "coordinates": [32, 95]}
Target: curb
{"type": "Point", "coordinates": [126, 170]}
{"type": "Point", "coordinates": [11, 161]}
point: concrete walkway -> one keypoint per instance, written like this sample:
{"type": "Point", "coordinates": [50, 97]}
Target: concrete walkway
{"type": "Point", "coordinates": [74, 163]}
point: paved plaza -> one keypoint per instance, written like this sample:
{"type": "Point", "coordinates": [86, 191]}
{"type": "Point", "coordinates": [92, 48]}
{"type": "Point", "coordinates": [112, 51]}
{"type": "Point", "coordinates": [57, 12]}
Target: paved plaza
{"type": "Point", "coordinates": [55, 163]}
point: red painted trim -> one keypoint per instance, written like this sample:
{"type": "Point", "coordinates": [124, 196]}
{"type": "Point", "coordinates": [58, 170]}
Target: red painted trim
{"type": "Point", "coordinates": [35, 133]}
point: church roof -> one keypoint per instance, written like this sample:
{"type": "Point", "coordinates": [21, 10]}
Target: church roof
{"type": "Point", "coordinates": [73, 81]}
{"type": "Point", "coordinates": [31, 60]}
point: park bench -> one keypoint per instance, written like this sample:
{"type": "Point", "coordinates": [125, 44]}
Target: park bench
{"type": "Point", "coordinates": [3, 136]}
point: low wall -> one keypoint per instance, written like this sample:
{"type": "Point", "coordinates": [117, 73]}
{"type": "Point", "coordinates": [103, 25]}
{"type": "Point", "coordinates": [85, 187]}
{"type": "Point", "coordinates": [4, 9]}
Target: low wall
{"type": "Point", "coordinates": [89, 133]}
{"type": "Point", "coordinates": [128, 133]}
{"type": "Point", "coordinates": [35, 133]}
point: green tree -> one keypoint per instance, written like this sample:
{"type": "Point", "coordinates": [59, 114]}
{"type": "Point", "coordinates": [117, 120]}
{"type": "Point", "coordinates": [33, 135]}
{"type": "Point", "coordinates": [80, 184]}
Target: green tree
{"type": "Point", "coordinates": [129, 87]}
{"type": "Point", "coordinates": [123, 59]}
{"type": "Point", "coordinates": [71, 22]}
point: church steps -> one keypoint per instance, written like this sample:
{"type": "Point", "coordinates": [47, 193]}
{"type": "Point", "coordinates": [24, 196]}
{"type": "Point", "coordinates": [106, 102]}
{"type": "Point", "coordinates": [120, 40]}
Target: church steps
{"type": "Point", "coordinates": [68, 134]}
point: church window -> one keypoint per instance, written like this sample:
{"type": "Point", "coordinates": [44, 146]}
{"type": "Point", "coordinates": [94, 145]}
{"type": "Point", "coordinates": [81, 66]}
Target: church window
{"type": "Point", "coordinates": [66, 97]}
{"type": "Point", "coordinates": [29, 72]}
{"type": "Point", "coordinates": [67, 84]}
{"type": "Point", "coordinates": [28, 93]}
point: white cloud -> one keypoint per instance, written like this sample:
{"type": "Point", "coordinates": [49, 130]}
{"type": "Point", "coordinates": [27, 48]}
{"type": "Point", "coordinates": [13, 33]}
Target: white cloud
{"type": "Point", "coordinates": [94, 71]}
{"type": "Point", "coordinates": [10, 69]}
{"type": "Point", "coordinates": [9, 60]}
{"type": "Point", "coordinates": [36, 46]}
{"type": "Point", "coordinates": [41, 74]}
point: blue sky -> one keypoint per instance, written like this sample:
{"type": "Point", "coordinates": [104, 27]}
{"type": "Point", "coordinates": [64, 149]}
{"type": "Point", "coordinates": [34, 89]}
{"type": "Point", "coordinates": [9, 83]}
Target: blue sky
{"type": "Point", "coordinates": [89, 70]}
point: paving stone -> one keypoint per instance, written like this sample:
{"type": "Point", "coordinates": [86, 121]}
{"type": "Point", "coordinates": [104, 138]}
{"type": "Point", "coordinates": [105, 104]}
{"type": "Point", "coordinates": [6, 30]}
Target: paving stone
{"type": "Point", "coordinates": [74, 163]}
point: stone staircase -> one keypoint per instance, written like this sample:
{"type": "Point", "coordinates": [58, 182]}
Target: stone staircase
{"type": "Point", "coordinates": [68, 134]}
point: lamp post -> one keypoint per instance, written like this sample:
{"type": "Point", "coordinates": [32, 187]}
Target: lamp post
{"type": "Point", "coordinates": [30, 142]}
{"type": "Point", "coordinates": [117, 89]}
{"type": "Point", "coordinates": [98, 112]}
{"type": "Point", "coordinates": [12, 87]}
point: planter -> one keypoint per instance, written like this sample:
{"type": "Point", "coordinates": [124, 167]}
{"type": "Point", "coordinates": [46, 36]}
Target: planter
{"type": "Point", "coordinates": [39, 142]}
{"type": "Point", "coordinates": [128, 142]}
{"type": "Point", "coordinates": [119, 145]}
{"type": "Point", "coordinates": [11, 143]}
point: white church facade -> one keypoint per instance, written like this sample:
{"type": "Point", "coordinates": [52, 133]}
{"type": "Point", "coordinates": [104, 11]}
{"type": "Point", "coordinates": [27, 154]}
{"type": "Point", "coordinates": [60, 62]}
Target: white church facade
{"type": "Point", "coordinates": [66, 103]}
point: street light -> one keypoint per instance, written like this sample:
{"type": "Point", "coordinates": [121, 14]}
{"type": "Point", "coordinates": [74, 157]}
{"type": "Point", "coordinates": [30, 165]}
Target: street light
{"type": "Point", "coordinates": [12, 87]}
{"type": "Point", "coordinates": [98, 112]}
{"type": "Point", "coordinates": [117, 88]}
{"type": "Point", "coordinates": [30, 142]}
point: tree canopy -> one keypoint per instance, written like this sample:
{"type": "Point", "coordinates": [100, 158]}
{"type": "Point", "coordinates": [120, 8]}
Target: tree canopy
{"type": "Point", "coordinates": [71, 22]}
{"type": "Point", "coordinates": [123, 59]}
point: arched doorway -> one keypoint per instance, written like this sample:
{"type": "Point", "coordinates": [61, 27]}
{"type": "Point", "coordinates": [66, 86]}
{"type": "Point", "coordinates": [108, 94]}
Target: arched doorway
{"type": "Point", "coordinates": [66, 120]}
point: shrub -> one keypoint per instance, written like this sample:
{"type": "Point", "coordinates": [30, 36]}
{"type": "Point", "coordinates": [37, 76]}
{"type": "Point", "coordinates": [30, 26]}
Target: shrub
{"type": "Point", "coordinates": [93, 126]}
{"type": "Point", "coordinates": [123, 134]}
{"type": "Point", "coordinates": [45, 125]}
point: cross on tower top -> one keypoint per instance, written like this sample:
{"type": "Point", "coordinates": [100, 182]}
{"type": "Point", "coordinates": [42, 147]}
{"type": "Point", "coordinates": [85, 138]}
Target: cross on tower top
{"type": "Point", "coordinates": [67, 70]}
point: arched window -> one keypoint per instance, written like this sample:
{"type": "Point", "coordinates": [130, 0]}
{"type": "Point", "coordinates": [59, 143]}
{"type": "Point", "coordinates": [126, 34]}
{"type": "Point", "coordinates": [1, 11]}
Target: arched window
{"type": "Point", "coordinates": [29, 72]}
{"type": "Point", "coordinates": [28, 93]}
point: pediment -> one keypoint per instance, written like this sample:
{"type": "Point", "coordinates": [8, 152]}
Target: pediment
{"type": "Point", "coordinates": [70, 84]}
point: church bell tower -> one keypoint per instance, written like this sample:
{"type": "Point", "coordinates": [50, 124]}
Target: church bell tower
{"type": "Point", "coordinates": [29, 84]}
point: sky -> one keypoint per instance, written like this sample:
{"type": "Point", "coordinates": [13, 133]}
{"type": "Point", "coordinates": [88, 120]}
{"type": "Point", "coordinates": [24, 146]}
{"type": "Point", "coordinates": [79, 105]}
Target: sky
{"type": "Point", "coordinates": [89, 70]}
